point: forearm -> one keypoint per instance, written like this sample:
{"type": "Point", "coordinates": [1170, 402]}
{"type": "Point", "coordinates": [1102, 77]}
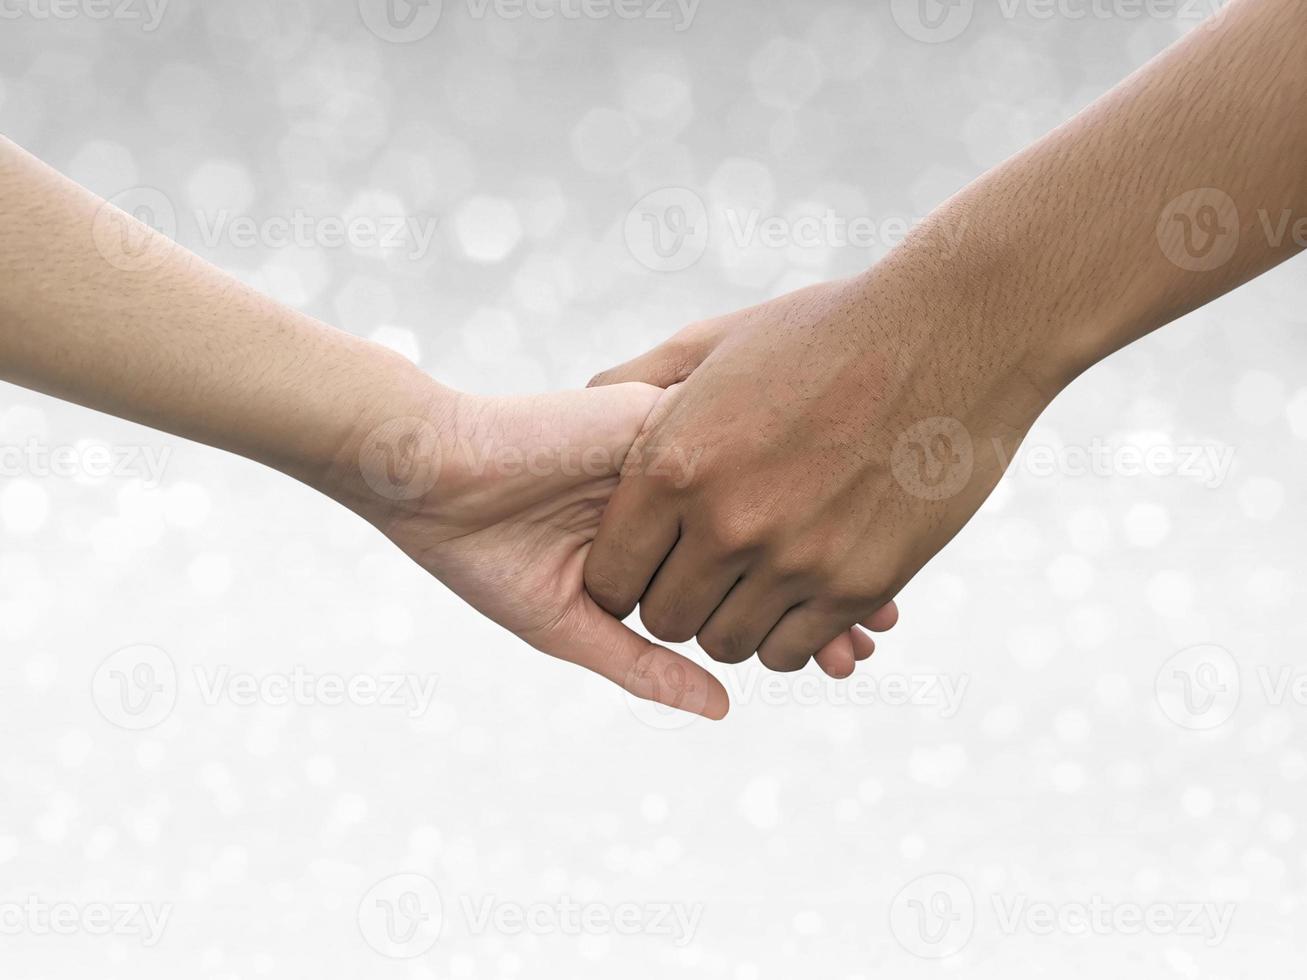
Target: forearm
{"type": "Point", "coordinates": [97, 309]}
{"type": "Point", "coordinates": [1076, 247]}
{"type": "Point", "coordinates": [137, 327]}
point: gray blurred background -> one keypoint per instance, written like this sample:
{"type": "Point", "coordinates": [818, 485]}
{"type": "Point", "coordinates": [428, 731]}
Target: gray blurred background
{"type": "Point", "coordinates": [1081, 751]}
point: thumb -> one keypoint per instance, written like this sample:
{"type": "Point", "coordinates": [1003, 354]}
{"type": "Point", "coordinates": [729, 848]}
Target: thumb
{"type": "Point", "coordinates": [672, 361]}
{"type": "Point", "coordinates": [591, 638]}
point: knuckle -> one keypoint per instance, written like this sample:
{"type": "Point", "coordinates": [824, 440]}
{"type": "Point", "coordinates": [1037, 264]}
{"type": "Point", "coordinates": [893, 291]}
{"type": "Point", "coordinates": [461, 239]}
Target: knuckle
{"type": "Point", "coordinates": [876, 591]}
{"type": "Point", "coordinates": [682, 360]}
{"type": "Point", "coordinates": [726, 646]}
{"type": "Point", "coordinates": [734, 534]}
{"type": "Point", "coordinates": [858, 591]}
{"type": "Point", "coordinates": [796, 563]}
{"type": "Point", "coordinates": [664, 621]}
{"type": "Point", "coordinates": [607, 590]}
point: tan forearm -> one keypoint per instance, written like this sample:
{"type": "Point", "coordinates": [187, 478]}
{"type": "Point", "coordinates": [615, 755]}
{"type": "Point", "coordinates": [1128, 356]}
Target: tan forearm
{"type": "Point", "coordinates": [96, 309]}
{"type": "Point", "coordinates": [1078, 245]}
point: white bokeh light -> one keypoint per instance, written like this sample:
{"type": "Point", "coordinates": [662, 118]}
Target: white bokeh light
{"type": "Point", "coordinates": [488, 229]}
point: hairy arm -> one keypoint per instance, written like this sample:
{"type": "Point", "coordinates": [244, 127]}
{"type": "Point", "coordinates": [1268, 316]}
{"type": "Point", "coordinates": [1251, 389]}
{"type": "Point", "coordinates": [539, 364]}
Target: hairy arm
{"type": "Point", "coordinates": [811, 508]}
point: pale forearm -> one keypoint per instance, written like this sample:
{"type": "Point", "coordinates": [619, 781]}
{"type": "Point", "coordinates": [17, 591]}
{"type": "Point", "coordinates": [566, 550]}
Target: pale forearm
{"type": "Point", "coordinates": [1077, 246]}
{"type": "Point", "coordinates": [98, 310]}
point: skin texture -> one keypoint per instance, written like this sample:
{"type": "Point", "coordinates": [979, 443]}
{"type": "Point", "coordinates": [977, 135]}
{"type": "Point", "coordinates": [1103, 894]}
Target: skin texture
{"type": "Point", "coordinates": [810, 508]}
{"type": "Point", "coordinates": [509, 524]}
{"type": "Point", "coordinates": [498, 498]}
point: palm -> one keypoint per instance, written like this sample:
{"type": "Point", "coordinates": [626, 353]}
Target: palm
{"type": "Point", "coordinates": [516, 519]}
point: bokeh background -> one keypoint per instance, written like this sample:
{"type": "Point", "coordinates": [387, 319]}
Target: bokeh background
{"type": "Point", "coordinates": [1095, 699]}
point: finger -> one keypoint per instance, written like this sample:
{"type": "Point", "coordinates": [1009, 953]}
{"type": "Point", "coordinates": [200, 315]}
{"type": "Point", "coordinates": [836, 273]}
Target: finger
{"type": "Point", "coordinates": [838, 658]}
{"type": "Point", "coordinates": [589, 637]}
{"type": "Point", "coordinates": [863, 645]}
{"type": "Point", "coordinates": [738, 626]}
{"type": "Point", "coordinates": [635, 536]}
{"type": "Point", "coordinates": [670, 362]}
{"type": "Point", "coordinates": [685, 591]}
{"type": "Point", "coordinates": [801, 632]}
{"type": "Point", "coordinates": [884, 618]}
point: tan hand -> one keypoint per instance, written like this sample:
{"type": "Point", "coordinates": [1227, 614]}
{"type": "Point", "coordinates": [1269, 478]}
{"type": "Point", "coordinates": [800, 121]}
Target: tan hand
{"type": "Point", "coordinates": [835, 431]}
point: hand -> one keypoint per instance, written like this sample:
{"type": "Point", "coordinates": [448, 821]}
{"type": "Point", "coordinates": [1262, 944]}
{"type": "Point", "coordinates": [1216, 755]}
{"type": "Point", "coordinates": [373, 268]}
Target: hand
{"type": "Point", "coordinates": [841, 438]}
{"type": "Point", "coordinates": [501, 498]}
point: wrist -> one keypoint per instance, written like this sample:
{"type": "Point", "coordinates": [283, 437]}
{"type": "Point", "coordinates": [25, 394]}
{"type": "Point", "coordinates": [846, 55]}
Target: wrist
{"type": "Point", "coordinates": [392, 438]}
{"type": "Point", "coordinates": [1006, 287]}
